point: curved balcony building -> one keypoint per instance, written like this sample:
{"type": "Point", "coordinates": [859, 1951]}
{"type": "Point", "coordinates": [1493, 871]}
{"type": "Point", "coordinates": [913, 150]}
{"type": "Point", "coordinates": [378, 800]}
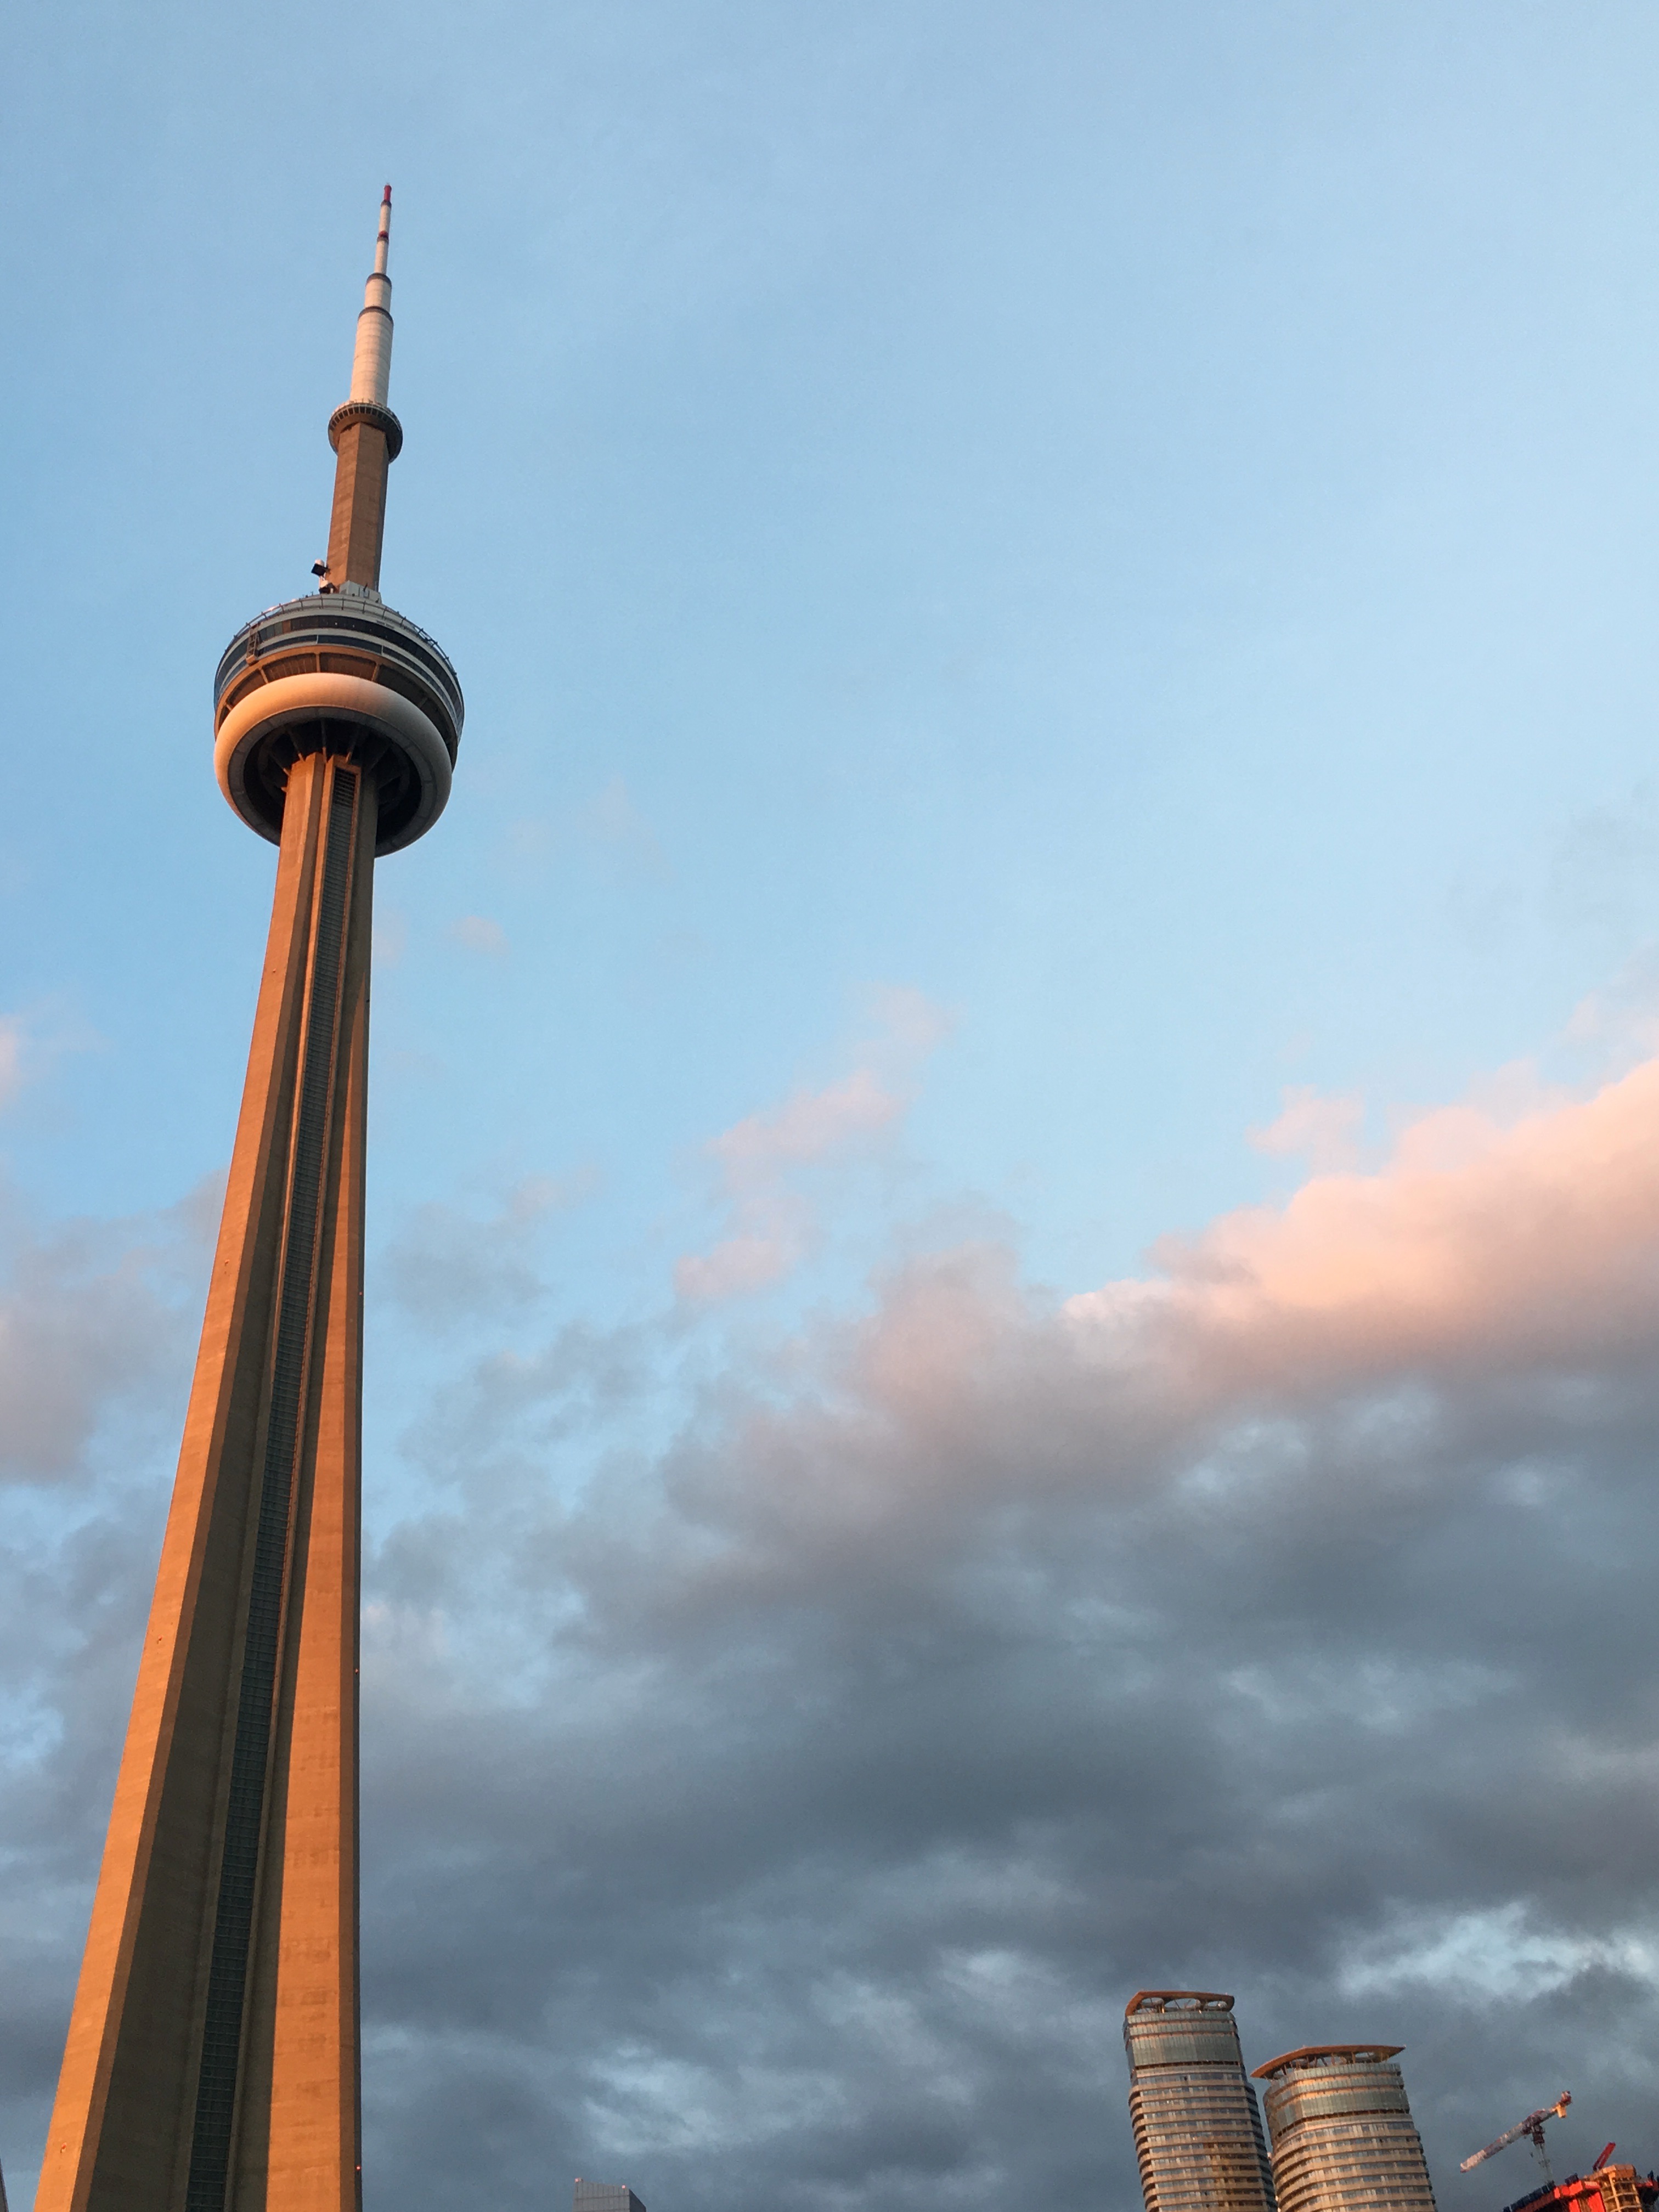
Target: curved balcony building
{"type": "Point", "coordinates": [1198, 2133]}
{"type": "Point", "coordinates": [1343, 2136]}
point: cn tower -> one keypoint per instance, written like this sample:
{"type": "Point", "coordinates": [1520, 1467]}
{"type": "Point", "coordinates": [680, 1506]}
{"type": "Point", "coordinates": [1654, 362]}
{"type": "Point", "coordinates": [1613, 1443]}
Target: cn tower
{"type": "Point", "coordinates": [212, 2062]}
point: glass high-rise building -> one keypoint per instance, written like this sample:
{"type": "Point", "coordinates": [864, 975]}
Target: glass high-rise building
{"type": "Point", "coordinates": [1198, 2133]}
{"type": "Point", "coordinates": [1343, 2136]}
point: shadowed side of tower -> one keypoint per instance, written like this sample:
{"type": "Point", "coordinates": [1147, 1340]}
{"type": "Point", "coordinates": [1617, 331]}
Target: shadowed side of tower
{"type": "Point", "coordinates": [212, 2063]}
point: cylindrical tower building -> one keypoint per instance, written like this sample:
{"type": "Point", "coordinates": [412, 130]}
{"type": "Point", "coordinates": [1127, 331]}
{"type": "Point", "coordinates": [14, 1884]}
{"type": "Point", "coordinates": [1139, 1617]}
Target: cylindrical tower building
{"type": "Point", "coordinates": [1198, 2134]}
{"type": "Point", "coordinates": [212, 2063]}
{"type": "Point", "coordinates": [1343, 2136]}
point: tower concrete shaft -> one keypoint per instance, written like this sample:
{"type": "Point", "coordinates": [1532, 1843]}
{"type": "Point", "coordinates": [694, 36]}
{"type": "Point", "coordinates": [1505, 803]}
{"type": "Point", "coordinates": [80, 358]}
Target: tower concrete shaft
{"type": "Point", "coordinates": [212, 2055]}
{"type": "Point", "coordinates": [212, 2063]}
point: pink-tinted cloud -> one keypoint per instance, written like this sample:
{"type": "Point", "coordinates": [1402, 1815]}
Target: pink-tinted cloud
{"type": "Point", "coordinates": [810, 1125]}
{"type": "Point", "coordinates": [1482, 1236]}
{"type": "Point", "coordinates": [761, 1254]}
{"type": "Point", "coordinates": [771, 1223]}
{"type": "Point", "coordinates": [1493, 1246]}
{"type": "Point", "coordinates": [1322, 1130]}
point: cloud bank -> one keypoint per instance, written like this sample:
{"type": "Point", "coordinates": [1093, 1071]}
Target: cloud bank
{"type": "Point", "coordinates": [783, 1813]}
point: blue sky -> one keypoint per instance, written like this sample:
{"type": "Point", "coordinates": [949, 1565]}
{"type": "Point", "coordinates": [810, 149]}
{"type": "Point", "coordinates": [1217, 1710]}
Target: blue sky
{"type": "Point", "coordinates": [1039, 589]}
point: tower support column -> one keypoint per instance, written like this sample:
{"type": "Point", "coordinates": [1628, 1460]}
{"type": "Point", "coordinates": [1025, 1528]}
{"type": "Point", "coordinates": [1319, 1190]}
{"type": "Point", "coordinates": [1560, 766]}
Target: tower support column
{"type": "Point", "coordinates": [357, 525]}
{"type": "Point", "coordinates": [212, 2061]}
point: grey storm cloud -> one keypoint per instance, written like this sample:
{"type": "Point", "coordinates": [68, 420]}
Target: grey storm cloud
{"type": "Point", "coordinates": [97, 1321]}
{"type": "Point", "coordinates": [445, 1261]}
{"type": "Point", "coordinates": [91, 1315]}
{"type": "Point", "coordinates": [783, 1815]}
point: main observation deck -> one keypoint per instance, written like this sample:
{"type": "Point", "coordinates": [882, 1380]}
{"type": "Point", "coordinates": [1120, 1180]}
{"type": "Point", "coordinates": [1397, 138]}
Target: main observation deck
{"type": "Point", "coordinates": [337, 672]}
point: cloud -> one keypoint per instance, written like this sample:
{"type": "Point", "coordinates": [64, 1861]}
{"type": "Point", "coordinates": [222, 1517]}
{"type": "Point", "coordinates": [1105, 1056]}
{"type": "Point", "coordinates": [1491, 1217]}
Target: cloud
{"type": "Point", "coordinates": [11, 1057]}
{"type": "Point", "coordinates": [90, 1314]}
{"type": "Point", "coordinates": [611, 826]}
{"type": "Point", "coordinates": [1323, 1131]}
{"type": "Point", "coordinates": [779, 1774]}
{"type": "Point", "coordinates": [1478, 1233]}
{"type": "Point", "coordinates": [772, 1224]}
{"type": "Point", "coordinates": [479, 934]}
{"type": "Point", "coordinates": [1620, 1021]}
{"type": "Point", "coordinates": [907, 1027]}
{"type": "Point", "coordinates": [1603, 862]}
{"type": "Point", "coordinates": [749, 1260]}
{"type": "Point", "coordinates": [810, 1125]}
{"type": "Point", "coordinates": [31, 1045]}
{"type": "Point", "coordinates": [391, 936]}
{"type": "Point", "coordinates": [608, 831]}
{"type": "Point", "coordinates": [447, 1265]}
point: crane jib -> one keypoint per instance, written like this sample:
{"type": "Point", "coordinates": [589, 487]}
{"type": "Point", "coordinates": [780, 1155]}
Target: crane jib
{"type": "Point", "coordinates": [1532, 2125]}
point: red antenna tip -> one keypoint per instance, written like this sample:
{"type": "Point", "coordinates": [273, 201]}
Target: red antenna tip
{"type": "Point", "coordinates": [386, 196]}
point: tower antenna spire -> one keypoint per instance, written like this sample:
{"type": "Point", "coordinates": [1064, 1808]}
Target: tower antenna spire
{"type": "Point", "coordinates": [366, 435]}
{"type": "Point", "coordinates": [371, 360]}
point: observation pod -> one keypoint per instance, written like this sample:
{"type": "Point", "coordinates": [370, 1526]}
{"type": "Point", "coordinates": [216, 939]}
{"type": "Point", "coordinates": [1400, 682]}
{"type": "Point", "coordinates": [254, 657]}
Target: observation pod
{"type": "Point", "coordinates": [337, 673]}
{"type": "Point", "coordinates": [340, 674]}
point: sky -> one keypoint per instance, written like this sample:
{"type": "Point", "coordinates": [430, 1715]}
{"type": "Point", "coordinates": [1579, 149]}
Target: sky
{"type": "Point", "coordinates": [1013, 1258]}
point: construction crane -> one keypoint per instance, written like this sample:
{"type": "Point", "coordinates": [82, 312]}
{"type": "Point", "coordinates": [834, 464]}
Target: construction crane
{"type": "Point", "coordinates": [1532, 2125]}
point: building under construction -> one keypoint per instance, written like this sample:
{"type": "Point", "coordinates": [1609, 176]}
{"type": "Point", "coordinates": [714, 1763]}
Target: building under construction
{"type": "Point", "coordinates": [1605, 2188]}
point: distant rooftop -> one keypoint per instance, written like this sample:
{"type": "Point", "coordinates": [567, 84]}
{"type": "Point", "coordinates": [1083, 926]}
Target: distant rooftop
{"type": "Point", "coordinates": [1314, 2055]}
{"type": "Point", "coordinates": [1177, 2001]}
{"type": "Point", "coordinates": [604, 2197]}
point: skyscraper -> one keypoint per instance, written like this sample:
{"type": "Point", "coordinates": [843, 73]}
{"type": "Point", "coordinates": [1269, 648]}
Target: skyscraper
{"type": "Point", "coordinates": [1198, 2133]}
{"type": "Point", "coordinates": [1343, 2136]}
{"type": "Point", "coordinates": [212, 2062]}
